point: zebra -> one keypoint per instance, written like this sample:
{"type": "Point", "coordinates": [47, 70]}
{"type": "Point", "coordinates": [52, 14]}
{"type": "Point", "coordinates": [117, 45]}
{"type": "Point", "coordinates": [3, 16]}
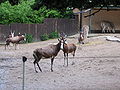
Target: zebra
{"type": "Point", "coordinates": [107, 25]}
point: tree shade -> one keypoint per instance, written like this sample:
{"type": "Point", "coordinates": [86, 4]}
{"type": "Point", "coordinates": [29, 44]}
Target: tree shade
{"type": "Point", "coordinates": [12, 2]}
{"type": "Point", "coordinates": [85, 4]}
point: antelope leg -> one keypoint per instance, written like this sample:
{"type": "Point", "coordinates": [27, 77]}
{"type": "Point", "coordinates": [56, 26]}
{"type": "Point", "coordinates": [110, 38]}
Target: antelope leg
{"type": "Point", "coordinates": [52, 64]}
{"type": "Point", "coordinates": [35, 68]}
{"type": "Point", "coordinates": [67, 59]}
{"type": "Point", "coordinates": [64, 58]}
{"type": "Point", "coordinates": [39, 67]}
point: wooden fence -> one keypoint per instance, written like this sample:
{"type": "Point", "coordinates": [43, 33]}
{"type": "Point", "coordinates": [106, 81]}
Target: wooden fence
{"type": "Point", "coordinates": [68, 26]}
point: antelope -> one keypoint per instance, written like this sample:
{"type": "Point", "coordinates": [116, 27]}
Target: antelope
{"type": "Point", "coordinates": [107, 25]}
{"type": "Point", "coordinates": [12, 34]}
{"type": "Point", "coordinates": [81, 38]}
{"type": "Point", "coordinates": [15, 40]}
{"type": "Point", "coordinates": [49, 51]}
{"type": "Point", "coordinates": [67, 48]}
{"type": "Point", "coordinates": [85, 29]}
{"type": "Point", "coordinates": [83, 34]}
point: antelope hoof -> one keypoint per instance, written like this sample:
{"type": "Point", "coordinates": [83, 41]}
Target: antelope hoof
{"type": "Point", "coordinates": [64, 65]}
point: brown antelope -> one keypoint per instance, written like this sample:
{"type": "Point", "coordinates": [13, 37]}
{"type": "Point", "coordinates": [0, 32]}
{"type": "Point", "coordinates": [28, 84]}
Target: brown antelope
{"type": "Point", "coordinates": [15, 40]}
{"type": "Point", "coordinates": [67, 48]}
{"type": "Point", "coordinates": [50, 51]}
{"type": "Point", "coordinates": [81, 38]}
{"type": "Point", "coordinates": [83, 34]}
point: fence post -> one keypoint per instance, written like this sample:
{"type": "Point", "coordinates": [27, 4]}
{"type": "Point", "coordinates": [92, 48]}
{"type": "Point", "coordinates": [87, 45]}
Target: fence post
{"type": "Point", "coordinates": [36, 32]}
{"type": "Point", "coordinates": [24, 59]}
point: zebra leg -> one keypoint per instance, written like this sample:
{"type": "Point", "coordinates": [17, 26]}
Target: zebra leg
{"type": "Point", "coordinates": [103, 30]}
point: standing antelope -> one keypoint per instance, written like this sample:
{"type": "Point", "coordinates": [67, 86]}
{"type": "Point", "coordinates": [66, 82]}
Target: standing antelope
{"type": "Point", "coordinates": [50, 51]}
{"type": "Point", "coordinates": [83, 34]}
{"type": "Point", "coordinates": [67, 48]}
{"type": "Point", "coordinates": [107, 25]}
{"type": "Point", "coordinates": [85, 30]}
{"type": "Point", "coordinates": [81, 38]}
{"type": "Point", "coordinates": [15, 40]}
{"type": "Point", "coordinates": [12, 34]}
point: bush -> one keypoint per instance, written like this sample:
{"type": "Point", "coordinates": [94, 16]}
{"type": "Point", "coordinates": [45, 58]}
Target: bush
{"type": "Point", "coordinates": [44, 37]}
{"type": "Point", "coordinates": [29, 38]}
{"type": "Point", "coordinates": [53, 35]}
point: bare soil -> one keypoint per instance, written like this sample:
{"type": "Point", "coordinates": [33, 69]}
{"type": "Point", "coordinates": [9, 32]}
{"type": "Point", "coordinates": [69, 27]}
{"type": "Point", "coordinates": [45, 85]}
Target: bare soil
{"type": "Point", "coordinates": [96, 66]}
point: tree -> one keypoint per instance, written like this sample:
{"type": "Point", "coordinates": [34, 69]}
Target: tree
{"type": "Point", "coordinates": [12, 2]}
{"type": "Point", "coordinates": [85, 4]}
{"type": "Point", "coordinates": [23, 13]}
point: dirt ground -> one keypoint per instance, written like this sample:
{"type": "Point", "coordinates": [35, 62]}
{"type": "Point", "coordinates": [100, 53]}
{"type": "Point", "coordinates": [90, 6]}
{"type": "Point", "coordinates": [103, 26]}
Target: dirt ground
{"type": "Point", "coordinates": [96, 66]}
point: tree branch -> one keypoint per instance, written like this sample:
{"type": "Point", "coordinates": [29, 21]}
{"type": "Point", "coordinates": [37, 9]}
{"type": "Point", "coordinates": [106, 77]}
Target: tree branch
{"type": "Point", "coordinates": [93, 13]}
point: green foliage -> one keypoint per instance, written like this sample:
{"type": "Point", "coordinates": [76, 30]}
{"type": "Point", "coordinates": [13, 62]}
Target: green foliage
{"type": "Point", "coordinates": [48, 13]}
{"type": "Point", "coordinates": [15, 14]}
{"type": "Point", "coordinates": [35, 11]}
{"type": "Point", "coordinates": [68, 13]}
{"type": "Point", "coordinates": [44, 37]}
{"type": "Point", "coordinates": [29, 38]}
{"type": "Point", "coordinates": [53, 14]}
{"type": "Point", "coordinates": [23, 13]}
{"type": "Point", "coordinates": [53, 35]}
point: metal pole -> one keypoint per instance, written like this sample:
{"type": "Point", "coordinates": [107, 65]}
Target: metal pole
{"type": "Point", "coordinates": [90, 22]}
{"type": "Point", "coordinates": [24, 59]}
{"type": "Point", "coordinates": [81, 21]}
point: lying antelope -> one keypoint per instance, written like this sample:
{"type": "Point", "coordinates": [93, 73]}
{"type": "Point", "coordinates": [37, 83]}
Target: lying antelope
{"type": "Point", "coordinates": [50, 51]}
{"type": "Point", "coordinates": [15, 40]}
{"type": "Point", "coordinates": [67, 48]}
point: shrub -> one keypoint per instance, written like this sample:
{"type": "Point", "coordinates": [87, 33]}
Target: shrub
{"type": "Point", "coordinates": [44, 37]}
{"type": "Point", "coordinates": [53, 35]}
{"type": "Point", "coordinates": [29, 38]}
